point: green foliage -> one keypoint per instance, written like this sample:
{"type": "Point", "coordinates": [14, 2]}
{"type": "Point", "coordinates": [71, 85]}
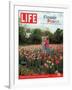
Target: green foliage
{"type": "Point", "coordinates": [22, 35]}
{"type": "Point", "coordinates": [47, 33]}
{"type": "Point", "coordinates": [24, 70]}
{"type": "Point", "coordinates": [36, 37]}
{"type": "Point", "coordinates": [58, 36]}
{"type": "Point", "coordinates": [36, 31]}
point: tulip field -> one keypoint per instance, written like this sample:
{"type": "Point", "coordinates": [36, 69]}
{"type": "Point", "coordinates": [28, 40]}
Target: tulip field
{"type": "Point", "coordinates": [33, 61]}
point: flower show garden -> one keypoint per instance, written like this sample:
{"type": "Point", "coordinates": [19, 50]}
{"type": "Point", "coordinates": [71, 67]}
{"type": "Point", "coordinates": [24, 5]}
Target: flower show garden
{"type": "Point", "coordinates": [33, 62]}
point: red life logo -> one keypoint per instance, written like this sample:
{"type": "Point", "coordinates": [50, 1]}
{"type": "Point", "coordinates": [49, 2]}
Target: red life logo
{"type": "Point", "coordinates": [30, 18]}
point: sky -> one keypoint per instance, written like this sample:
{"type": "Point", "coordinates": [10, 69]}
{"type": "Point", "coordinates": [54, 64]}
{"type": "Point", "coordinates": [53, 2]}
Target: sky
{"type": "Point", "coordinates": [46, 20]}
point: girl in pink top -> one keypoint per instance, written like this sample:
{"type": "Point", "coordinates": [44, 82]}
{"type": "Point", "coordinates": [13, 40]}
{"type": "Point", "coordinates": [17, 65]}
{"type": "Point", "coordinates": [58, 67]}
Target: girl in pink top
{"type": "Point", "coordinates": [46, 45]}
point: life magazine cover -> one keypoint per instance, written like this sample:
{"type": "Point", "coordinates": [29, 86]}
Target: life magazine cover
{"type": "Point", "coordinates": [40, 44]}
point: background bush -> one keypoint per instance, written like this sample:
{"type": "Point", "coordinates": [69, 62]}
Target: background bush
{"type": "Point", "coordinates": [36, 36]}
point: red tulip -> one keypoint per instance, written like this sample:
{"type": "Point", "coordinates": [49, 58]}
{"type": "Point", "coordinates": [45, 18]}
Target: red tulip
{"type": "Point", "coordinates": [57, 61]}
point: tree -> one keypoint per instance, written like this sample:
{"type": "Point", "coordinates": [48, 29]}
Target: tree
{"type": "Point", "coordinates": [36, 37]}
{"type": "Point", "coordinates": [22, 35]}
{"type": "Point", "coordinates": [58, 36]}
{"type": "Point", "coordinates": [36, 31]}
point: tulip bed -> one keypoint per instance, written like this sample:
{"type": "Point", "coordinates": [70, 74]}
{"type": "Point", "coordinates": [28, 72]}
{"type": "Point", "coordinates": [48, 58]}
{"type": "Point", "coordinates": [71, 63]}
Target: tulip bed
{"type": "Point", "coordinates": [33, 61]}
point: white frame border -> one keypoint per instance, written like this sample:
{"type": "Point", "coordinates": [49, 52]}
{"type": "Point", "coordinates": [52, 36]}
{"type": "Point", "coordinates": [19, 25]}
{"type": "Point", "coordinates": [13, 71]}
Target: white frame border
{"type": "Point", "coordinates": [12, 70]}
